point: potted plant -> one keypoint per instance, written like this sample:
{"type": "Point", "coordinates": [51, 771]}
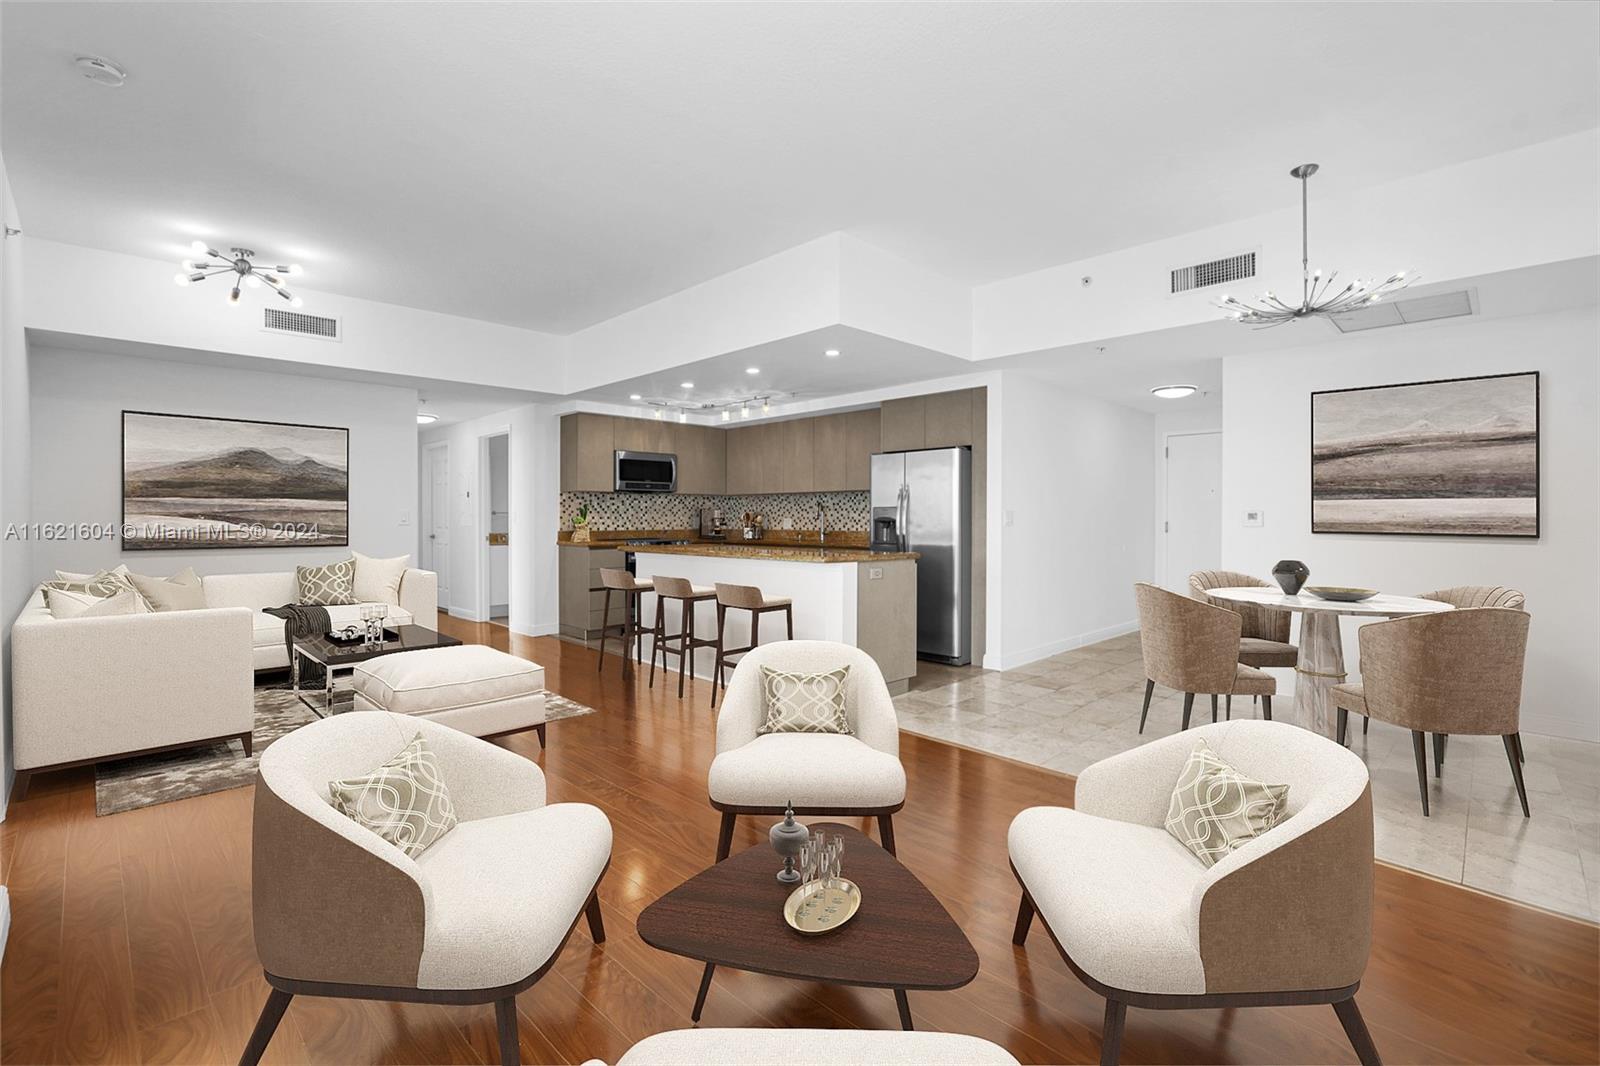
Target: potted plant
{"type": "Point", "coordinates": [580, 525]}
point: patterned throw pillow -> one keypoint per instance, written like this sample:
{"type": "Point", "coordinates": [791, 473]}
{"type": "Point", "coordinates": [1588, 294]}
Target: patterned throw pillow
{"type": "Point", "coordinates": [404, 801]}
{"type": "Point", "coordinates": [71, 603]}
{"type": "Point", "coordinates": [327, 586]}
{"type": "Point", "coordinates": [1215, 808]}
{"type": "Point", "coordinates": [105, 584]}
{"type": "Point", "coordinates": [804, 703]}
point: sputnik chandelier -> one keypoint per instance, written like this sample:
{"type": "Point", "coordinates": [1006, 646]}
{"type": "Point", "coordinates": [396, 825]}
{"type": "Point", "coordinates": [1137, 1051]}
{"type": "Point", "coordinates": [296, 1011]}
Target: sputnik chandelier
{"type": "Point", "coordinates": [682, 409]}
{"type": "Point", "coordinates": [1317, 293]}
{"type": "Point", "coordinates": [208, 262]}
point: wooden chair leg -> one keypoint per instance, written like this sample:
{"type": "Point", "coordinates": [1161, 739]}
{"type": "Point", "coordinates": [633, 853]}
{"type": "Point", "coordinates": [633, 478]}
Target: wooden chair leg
{"type": "Point", "coordinates": [657, 636]}
{"type": "Point", "coordinates": [1518, 738]}
{"type": "Point", "coordinates": [505, 1018]}
{"type": "Point", "coordinates": [1149, 690]}
{"type": "Point", "coordinates": [266, 1025]}
{"type": "Point", "coordinates": [1266, 708]}
{"type": "Point", "coordinates": [1366, 724]}
{"type": "Point", "coordinates": [605, 630]}
{"type": "Point", "coordinates": [1356, 1029]}
{"type": "Point", "coordinates": [597, 925]}
{"type": "Point", "coordinates": [249, 742]}
{"type": "Point", "coordinates": [725, 835]}
{"type": "Point", "coordinates": [1188, 706]}
{"type": "Point", "coordinates": [788, 614]}
{"type": "Point", "coordinates": [1111, 1032]}
{"type": "Point", "coordinates": [1024, 918]}
{"type": "Point", "coordinates": [755, 629]}
{"type": "Point", "coordinates": [886, 831]}
{"type": "Point", "coordinates": [1227, 707]}
{"type": "Point", "coordinates": [716, 667]}
{"type": "Point", "coordinates": [686, 644]}
{"type": "Point", "coordinates": [1513, 743]}
{"type": "Point", "coordinates": [539, 729]}
{"type": "Point", "coordinates": [1341, 726]}
{"type": "Point", "coordinates": [1419, 746]}
{"type": "Point", "coordinates": [1213, 708]}
{"type": "Point", "coordinates": [1438, 754]}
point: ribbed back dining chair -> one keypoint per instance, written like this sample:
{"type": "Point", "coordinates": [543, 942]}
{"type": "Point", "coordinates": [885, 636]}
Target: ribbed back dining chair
{"type": "Point", "coordinates": [1264, 634]}
{"type": "Point", "coordinates": [1193, 647]}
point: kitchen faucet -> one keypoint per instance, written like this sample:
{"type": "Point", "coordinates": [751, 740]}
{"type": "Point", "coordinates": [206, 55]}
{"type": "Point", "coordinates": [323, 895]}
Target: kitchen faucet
{"type": "Point", "coordinates": [822, 523]}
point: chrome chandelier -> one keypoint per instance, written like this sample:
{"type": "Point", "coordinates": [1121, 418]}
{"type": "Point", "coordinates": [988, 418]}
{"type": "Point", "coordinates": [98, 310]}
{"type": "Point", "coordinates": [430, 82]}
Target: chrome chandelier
{"type": "Point", "coordinates": [1317, 293]}
{"type": "Point", "coordinates": [208, 262]}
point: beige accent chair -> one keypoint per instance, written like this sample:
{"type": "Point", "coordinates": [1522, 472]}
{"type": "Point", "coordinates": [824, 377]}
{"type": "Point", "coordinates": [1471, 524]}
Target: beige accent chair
{"type": "Point", "coordinates": [824, 1047]}
{"type": "Point", "coordinates": [858, 775]}
{"type": "Point", "coordinates": [476, 918]}
{"type": "Point", "coordinates": [1191, 647]}
{"type": "Point", "coordinates": [1285, 919]}
{"type": "Point", "coordinates": [1452, 672]}
{"type": "Point", "coordinates": [1264, 636]}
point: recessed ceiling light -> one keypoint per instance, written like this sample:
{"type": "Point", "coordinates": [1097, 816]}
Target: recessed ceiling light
{"type": "Point", "coordinates": [832, 353]}
{"type": "Point", "coordinates": [101, 71]}
{"type": "Point", "coordinates": [686, 385]}
{"type": "Point", "coordinates": [1173, 392]}
{"type": "Point", "coordinates": [752, 370]}
{"type": "Point", "coordinates": [635, 396]}
{"type": "Point", "coordinates": [424, 419]}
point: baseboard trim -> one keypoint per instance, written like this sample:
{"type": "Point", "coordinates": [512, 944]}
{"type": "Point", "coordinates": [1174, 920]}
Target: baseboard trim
{"type": "Point", "coordinates": [545, 629]}
{"type": "Point", "coordinates": [1056, 647]}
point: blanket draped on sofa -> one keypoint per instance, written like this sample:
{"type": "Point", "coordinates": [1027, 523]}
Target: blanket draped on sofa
{"type": "Point", "coordinates": [302, 620]}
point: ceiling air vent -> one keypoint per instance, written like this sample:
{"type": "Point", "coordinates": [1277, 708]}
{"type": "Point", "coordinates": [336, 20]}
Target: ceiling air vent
{"type": "Point", "coordinates": [1216, 272]}
{"type": "Point", "coordinates": [301, 325]}
{"type": "Point", "coordinates": [1405, 312]}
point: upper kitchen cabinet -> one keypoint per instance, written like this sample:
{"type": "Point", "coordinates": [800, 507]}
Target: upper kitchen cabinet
{"type": "Point", "coordinates": [702, 459]}
{"type": "Point", "coordinates": [947, 419]}
{"type": "Point", "coordinates": [587, 442]}
{"type": "Point", "coordinates": [904, 424]}
{"type": "Point", "coordinates": [744, 446]}
{"type": "Point", "coordinates": [842, 448]}
{"type": "Point", "coordinates": [643, 435]}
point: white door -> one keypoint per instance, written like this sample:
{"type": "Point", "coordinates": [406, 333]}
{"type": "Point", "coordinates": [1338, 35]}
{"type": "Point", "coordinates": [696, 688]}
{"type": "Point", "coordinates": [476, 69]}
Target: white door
{"type": "Point", "coordinates": [439, 519]}
{"type": "Point", "coordinates": [1193, 531]}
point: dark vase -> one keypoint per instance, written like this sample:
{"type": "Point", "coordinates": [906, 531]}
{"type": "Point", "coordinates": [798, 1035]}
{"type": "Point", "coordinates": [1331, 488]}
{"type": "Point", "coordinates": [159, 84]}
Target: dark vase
{"type": "Point", "coordinates": [1291, 575]}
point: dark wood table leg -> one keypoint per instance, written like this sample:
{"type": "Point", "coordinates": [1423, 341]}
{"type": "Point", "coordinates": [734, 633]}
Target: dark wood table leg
{"type": "Point", "coordinates": [700, 996]}
{"type": "Point", "coordinates": [901, 1002]}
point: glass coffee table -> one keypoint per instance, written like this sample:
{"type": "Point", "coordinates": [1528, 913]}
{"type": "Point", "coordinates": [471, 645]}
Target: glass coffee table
{"type": "Point", "coordinates": [334, 655]}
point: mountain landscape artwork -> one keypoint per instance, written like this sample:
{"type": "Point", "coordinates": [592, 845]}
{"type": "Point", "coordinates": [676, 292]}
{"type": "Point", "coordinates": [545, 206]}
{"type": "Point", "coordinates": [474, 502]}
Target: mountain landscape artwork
{"type": "Point", "coordinates": [1456, 457]}
{"type": "Point", "coordinates": [195, 482]}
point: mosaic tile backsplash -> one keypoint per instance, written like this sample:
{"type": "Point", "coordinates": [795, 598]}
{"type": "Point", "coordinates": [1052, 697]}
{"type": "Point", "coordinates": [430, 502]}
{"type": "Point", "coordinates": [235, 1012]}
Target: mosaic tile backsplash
{"type": "Point", "coordinates": [635, 510]}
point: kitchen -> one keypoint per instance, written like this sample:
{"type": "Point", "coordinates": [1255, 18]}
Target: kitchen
{"type": "Point", "coordinates": [819, 494]}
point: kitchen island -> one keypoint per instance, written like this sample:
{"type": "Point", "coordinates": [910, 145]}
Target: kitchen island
{"type": "Point", "coordinates": [849, 595]}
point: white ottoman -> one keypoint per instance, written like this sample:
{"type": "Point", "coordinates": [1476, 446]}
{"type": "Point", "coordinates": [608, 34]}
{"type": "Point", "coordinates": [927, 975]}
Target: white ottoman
{"type": "Point", "coordinates": [470, 687]}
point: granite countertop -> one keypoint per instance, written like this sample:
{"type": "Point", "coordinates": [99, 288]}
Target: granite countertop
{"type": "Point", "coordinates": [786, 553]}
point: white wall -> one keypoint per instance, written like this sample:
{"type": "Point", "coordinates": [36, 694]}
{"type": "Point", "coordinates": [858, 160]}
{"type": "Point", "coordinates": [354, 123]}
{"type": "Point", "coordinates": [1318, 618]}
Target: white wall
{"type": "Point", "coordinates": [534, 476]}
{"type": "Point", "coordinates": [1075, 486]}
{"type": "Point", "coordinates": [78, 399]}
{"type": "Point", "coordinates": [16, 556]}
{"type": "Point", "coordinates": [1266, 442]}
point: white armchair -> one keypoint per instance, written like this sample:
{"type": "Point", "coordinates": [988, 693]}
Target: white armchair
{"type": "Point", "coordinates": [820, 773]}
{"type": "Point", "coordinates": [476, 918]}
{"type": "Point", "coordinates": [1284, 919]}
{"type": "Point", "coordinates": [824, 1047]}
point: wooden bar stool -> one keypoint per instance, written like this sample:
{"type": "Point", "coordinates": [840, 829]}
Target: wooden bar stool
{"type": "Point", "coordinates": [682, 643]}
{"type": "Point", "coordinates": [632, 590]}
{"type": "Point", "coordinates": [743, 598]}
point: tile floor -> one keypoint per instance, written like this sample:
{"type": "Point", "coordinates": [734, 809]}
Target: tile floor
{"type": "Point", "coordinates": [1081, 706]}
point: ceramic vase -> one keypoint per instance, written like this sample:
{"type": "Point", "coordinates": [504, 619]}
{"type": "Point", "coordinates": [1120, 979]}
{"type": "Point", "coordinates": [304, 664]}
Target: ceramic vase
{"type": "Point", "coordinates": [1291, 575]}
{"type": "Point", "coordinates": [788, 837]}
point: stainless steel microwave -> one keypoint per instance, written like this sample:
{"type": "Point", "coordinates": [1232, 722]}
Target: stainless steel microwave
{"type": "Point", "coordinates": [645, 472]}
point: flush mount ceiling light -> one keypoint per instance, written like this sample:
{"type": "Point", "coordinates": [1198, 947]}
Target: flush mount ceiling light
{"type": "Point", "coordinates": [100, 70]}
{"type": "Point", "coordinates": [1173, 392]}
{"type": "Point", "coordinates": [425, 417]}
{"type": "Point", "coordinates": [752, 370]}
{"type": "Point", "coordinates": [1318, 296]}
{"type": "Point", "coordinates": [832, 353]}
{"type": "Point", "coordinates": [686, 385]}
{"type": "Point", "coordinates": [209, 262]}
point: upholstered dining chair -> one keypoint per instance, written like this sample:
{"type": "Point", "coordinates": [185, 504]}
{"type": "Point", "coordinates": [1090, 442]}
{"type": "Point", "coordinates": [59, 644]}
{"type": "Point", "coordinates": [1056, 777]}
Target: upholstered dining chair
{"type": "Point", "coordinates": [1463, 597]}
{"type": "Point", "coordinates": [1284, 919]}
{"type": "Point", "coordinates": [1193, 647]}
{"type": "Point", "coordinates": [1452, 672]}
{"type": "Point", "coordinates": [1264, 633]}
{"type": "Point", "coordinates": [476, 918]}
{"type": "Point", "coordinates": [848, 775]}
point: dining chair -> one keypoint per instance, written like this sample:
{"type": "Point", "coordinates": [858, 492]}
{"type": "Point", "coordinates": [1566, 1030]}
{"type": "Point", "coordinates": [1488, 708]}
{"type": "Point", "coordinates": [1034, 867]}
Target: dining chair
{"type": "Point", "coordinates": [1264, 634]}
{"type": "Point", "coordinates": [1192, 647]}
{"type": "Point", "coordinates": [1451, 672]}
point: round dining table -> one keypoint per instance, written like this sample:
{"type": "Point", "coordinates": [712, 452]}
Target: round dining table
{"type": "Point", "coordinates": [1321, 658]}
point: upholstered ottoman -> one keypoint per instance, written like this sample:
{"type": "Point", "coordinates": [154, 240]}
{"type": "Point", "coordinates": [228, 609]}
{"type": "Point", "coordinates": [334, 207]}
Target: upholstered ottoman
{"type": "Point", "coordinates": [470, 687]}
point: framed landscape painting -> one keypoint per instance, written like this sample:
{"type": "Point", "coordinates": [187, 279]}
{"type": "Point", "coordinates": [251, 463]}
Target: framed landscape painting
{"type": "Point", "coordinates": [195, 482]}
{"type": "Point", "coordinates": [1452, 458]}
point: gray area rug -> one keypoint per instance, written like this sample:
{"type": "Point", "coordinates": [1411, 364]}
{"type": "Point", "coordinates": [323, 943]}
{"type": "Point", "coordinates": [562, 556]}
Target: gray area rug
{"type": "Point", "coordinates": [128, 784]}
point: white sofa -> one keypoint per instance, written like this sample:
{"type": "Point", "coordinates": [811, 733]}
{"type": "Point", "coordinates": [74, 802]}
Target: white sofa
{"type": "Point", "coordinates": [89, 689]}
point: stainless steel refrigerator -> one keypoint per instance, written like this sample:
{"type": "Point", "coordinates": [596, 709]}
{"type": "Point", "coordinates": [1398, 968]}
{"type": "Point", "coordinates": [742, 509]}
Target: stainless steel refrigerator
{"type": "Point", "coordinates": [922, 502]}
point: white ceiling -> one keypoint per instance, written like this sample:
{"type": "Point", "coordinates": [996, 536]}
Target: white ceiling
{"type": "Point", "coordinates": [551, 165]}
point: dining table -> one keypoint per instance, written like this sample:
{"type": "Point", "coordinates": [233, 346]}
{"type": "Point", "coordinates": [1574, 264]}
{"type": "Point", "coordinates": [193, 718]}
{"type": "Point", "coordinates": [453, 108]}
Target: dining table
{"type": "Point", "coordinates": [1320, 664]}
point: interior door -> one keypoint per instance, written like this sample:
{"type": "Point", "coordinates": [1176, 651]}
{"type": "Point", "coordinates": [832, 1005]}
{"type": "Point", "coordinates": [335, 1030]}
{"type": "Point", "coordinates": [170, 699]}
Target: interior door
{"type": "Point", "coordinates": [1193, 530]}
{"type": "Point", "coordinates": [439, 519]}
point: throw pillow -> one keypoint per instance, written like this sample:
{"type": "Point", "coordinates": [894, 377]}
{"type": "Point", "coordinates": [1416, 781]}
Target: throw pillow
{"type": "Point", "coordinates": [1216, 809]}
{"type": "Point", "coordinates": [102, 584]}
{"type": "Point", "coordinates": [326, 586]}
{"type": "Point", "coordinates": [70, 603]}
{"type": "Point", "coordinates": [804, 703]}
{"type": "Point", "coordinates": [404, 801]}
{"type": "Point", "coordinates": [180, 592]}
{"type": "Point", "coordinates": [378, 580]}
{"type": "Point", "coordinates": [69, 576]}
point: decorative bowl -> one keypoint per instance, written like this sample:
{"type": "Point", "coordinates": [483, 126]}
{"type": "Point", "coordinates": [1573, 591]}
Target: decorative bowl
{"type": "Point", "coordinates": [1341, 595]}
{"type": "Point", "coordinates": [815, 908]}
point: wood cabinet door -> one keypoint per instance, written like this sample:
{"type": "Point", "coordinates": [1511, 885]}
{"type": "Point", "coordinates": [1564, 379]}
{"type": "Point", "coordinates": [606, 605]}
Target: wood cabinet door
{"type": "Point", "coordinates": [947, 419]}
{"type": "Point", "coordinates": [744, 463]}
{"type": "Point", "coordinates": [796, 450]}
{"type": "Point", "coordinates": [903, 424]}
{"type": "Point", "coordinates": [644, 435]}
{"type": "Point", "coordinates": [861, 439]}
{"type": "Point", "coordinates": [702, 459]}
{"type": "Point", "coordinates": [830, 457]}
{"type": "Point", "coordinates": [586, 447]}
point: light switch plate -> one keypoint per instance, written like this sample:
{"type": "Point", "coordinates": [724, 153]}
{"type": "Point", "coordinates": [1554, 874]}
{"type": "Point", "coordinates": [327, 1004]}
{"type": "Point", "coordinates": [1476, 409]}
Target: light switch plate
{"type": "Point", "coordinates": [405, 518]}
{"type": "Point", "coordinates": [874, 573]}
{"type": "Point", "coordinates": [1254, 518]}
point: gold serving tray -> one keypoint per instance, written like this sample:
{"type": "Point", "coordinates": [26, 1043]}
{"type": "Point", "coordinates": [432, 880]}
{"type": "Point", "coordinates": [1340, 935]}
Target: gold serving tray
{"type": "Point", "coordinates": [815, 908]}
{"type": "Point", "coordinates": [1339, 594]}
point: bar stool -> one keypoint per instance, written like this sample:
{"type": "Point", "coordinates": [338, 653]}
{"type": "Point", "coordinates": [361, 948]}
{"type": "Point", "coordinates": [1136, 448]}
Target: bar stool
{"type": "Point", "coordinates": [632, 590]}
{"type": "Point", "coordinates": [682, 643]}
{"type": "Point", "coordinates": [744, 598]}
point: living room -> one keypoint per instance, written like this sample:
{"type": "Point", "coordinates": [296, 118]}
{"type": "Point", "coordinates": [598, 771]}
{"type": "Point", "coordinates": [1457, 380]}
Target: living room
{"type": "Point", "coordinates": [685, 533]}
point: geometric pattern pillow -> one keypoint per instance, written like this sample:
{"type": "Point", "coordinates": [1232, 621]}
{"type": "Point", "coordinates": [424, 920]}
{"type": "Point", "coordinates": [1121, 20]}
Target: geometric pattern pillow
{"type": "Point", "coordinates": [105, 583]}
{"type": "Point", "coordinates": [1215, 809]}
{"type": "Point", "coordinates": [404, 801]}
{"type": "Point", "coordinates": [327, 586]}
{"type": "Point", "coordinates": [72, 603]}
{"type": "Point", "coordinates": [804, 703]}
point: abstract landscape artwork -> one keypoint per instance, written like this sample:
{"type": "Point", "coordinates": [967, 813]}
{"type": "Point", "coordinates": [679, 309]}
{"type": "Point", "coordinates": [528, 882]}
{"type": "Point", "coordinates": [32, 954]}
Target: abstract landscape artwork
{"type": "Point", "coordinates": [195, 482]}
{"type": "Point", "coordinates": [1457, 457]}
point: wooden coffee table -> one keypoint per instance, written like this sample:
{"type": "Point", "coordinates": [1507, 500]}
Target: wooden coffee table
{"type": "Point", "coordinates": [732, 915]}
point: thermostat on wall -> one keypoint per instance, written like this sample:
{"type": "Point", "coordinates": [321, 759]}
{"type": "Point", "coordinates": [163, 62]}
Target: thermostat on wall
{"type": "Point", "coordinates": [1254, 518]}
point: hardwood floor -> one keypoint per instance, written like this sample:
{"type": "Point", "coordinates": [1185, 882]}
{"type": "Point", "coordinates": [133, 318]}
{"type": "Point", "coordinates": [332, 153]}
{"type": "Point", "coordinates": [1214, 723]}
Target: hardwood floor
{"type": "Point", "coordinates": [131, 942]}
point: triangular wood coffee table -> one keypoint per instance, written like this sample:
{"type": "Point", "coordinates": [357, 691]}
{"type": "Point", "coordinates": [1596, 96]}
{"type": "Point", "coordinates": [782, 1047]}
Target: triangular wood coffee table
{"type": "Point", "coordinates": [732, 915]}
